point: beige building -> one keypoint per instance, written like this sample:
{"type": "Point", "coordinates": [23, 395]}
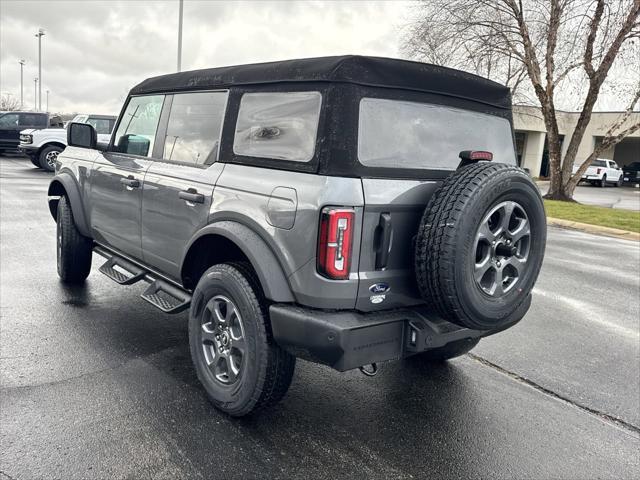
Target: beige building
{"type": "Point", "coordinates": [531, 143]}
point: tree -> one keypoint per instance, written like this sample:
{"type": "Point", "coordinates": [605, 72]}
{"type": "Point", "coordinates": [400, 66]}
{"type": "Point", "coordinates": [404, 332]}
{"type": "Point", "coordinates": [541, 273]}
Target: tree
{"type": "Point", "coordinates": [564, 48]}
{"type": "Point", "coordinates": [8, 103]}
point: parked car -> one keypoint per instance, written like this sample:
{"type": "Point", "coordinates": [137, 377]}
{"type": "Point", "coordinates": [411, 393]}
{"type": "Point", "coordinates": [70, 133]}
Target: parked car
{"type": "Point", "coordinates": [43, 145]}
{"type": "Point", "coordinates": [345, 210]}
{"type": "Point", "coordinates": [602, 171]}
{"type": "Point", "coordinates": [11, 123]}
{"type": "Point", "coordinates": [631, 174]}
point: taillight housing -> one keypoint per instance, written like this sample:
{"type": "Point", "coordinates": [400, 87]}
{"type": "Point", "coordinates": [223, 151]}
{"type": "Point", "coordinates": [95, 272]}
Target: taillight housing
{"type": "Point", "coordinates": [335, 242]}
{"type": "Point", "coordinates": [598, 171]}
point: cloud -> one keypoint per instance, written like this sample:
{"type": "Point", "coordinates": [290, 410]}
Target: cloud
{"type": "Point", "coordinates": [95, 51]}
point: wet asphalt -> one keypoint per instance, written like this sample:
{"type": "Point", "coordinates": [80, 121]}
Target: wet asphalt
{"type": "Point", "coordinates": [96, 383]}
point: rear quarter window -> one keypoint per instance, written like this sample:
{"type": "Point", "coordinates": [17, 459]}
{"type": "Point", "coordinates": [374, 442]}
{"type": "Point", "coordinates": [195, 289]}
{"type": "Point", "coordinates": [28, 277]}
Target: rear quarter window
{"type": "Point", "coordinates": [410, 135]}
{"type": "Point", "coordinates": [278, 125]}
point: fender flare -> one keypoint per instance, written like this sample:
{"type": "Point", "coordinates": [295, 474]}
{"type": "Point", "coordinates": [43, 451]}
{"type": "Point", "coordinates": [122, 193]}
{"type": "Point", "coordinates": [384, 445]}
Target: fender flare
{"type": "Point", "coordinates": [67, 183]}
{"type": "Point", "coordinates": [265, 263]}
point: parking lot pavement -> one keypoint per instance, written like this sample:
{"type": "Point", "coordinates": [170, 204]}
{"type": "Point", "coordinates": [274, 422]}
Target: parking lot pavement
{"type": "Point", "coordinates": [626, 198]}
{"type": "Point", "coordinates": [96, 383]}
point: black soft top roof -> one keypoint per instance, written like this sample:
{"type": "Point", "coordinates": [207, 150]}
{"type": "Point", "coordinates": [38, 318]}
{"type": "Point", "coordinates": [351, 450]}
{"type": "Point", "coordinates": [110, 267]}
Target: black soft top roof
{"type": "Point", "coordinates": [368, 71]}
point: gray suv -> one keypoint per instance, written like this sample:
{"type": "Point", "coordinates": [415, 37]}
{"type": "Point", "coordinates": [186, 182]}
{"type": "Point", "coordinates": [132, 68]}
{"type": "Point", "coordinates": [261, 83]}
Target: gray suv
{"type": "Point", "coordinates": [344, 210]}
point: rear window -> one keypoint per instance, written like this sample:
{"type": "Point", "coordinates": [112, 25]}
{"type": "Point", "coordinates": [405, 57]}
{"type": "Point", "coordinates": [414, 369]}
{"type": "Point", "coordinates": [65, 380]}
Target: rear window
{"type": "Point", "coordinates": [411, 135]}
{"type": "Point", "coordinates": [278, 125]}
{"type": "Point", "coordinates": [599, 163]}
{"type": "Point", "coordinates": [103, 126]}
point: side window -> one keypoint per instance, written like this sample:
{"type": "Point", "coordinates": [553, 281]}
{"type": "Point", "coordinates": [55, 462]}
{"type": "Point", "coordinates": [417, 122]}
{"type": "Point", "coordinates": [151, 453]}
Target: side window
{"type": "Point", "coordinates": [194, 127]}
{"type": "Point", "coordinates": [102, 125]}
{"type": "Point", "coordinates": [137, 129]}
{"type": "Point", "coordinates": [9, 120]}
{"type": "Point", "coordinates": [278, 125]}
{"type": "Point", "coordinates": [33, 120]}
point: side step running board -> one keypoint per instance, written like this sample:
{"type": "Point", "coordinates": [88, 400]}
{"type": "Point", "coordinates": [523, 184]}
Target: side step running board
{"type": "Point", "coordinates": [160, 293]}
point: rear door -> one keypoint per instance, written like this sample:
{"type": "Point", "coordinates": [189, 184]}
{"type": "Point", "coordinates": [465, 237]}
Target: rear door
{"type": "Point", "coordinates": [411, 147]}
{"type": "Point", "coordinates": [117, 177]}
{"type": "Point", "coordinates": [178, 186]}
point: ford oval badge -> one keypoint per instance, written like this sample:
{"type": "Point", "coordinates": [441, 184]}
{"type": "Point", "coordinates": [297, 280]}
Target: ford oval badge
{"type": "Point", "coordinates": [378, 288]}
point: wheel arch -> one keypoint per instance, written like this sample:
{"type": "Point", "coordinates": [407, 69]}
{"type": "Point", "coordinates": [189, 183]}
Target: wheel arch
{"type": "Point", "coordinates": [226, 241]}
{"type": "Point", "coordinates": [65, 185]}
{"type": "Point", "coordinates": [51, 144]}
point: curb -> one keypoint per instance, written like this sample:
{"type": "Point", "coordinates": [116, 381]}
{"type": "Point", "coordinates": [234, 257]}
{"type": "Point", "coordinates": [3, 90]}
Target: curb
{"type": "Point", "coordinates": [595, 229]}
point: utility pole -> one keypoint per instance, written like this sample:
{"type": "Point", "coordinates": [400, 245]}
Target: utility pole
{"type": "Point", "coordinates": [21, 62]}
{"type": "Point", "coordinates": [40, 34]}
{"type": "Point", "coordinates": [180, 35]}
{"type": "Point", "coordinates": [47, 100]}
{"type": "Point", "coordinates": [35, 94]}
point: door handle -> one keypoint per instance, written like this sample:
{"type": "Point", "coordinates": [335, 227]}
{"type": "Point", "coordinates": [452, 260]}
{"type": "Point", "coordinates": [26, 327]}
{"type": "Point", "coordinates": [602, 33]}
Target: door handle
{"type": "Point", "coordinates": [382, 241]}
{"type": "Point", "coordinates": [191, 195]}
{"type": "Point", "coordinates": [130, 182]}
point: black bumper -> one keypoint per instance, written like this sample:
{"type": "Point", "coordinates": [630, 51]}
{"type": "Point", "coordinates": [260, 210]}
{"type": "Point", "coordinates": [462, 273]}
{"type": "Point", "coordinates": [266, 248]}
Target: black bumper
{"type": "Point", "coordinates": [348, 339]}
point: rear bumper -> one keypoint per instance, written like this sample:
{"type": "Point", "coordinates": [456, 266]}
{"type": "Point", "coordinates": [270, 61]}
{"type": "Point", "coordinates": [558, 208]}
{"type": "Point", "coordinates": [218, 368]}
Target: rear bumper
{"type": "Point", "coordinates": [349, 339]}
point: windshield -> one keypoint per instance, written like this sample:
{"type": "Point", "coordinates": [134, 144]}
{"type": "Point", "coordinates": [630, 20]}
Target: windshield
{"type": "Point", "coordinates": [401, 134]}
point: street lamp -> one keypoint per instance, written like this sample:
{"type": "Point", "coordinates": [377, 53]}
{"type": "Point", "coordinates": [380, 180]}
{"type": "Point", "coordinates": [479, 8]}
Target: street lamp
{"type": "Point", "coordinates": [180, 35]}
{"type": "Point", "coordinates": [40, 34]}
{"type": "Point", "coordinates": [21, 62]}
{"type": "Point", "coordinates": [35, 93]}
{"type": "Point", "coordinates": [47, 100]}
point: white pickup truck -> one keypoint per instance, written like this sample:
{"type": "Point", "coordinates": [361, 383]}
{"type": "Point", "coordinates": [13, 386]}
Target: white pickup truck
{"type": "Point", "coordinates": [43, 145]}
{"type": "Point", "coordinates": [602, 171]}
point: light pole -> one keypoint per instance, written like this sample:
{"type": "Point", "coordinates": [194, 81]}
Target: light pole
{"type": "Point", "coordinates": [40, 34]}
{"type": "Point", "coordinates": [35, 94]}
{"type": "Point", "coordinates": [180, 35]}
{"type": "Point", "coordinates": [47, 100]}
{"type": "Point", "coordinates": [21, 62]}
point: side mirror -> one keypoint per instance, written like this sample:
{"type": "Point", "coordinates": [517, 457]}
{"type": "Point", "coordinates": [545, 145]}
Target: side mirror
{"type": "Point", "coordinates": [81, 135]}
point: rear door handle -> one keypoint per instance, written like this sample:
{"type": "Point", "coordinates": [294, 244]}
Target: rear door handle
{"type": "Point", "coordinates": [384, 232]}
{"type": "Point", "coordinates": [130, 182]}
{"type": "Point", "coordinates": [191, 195]}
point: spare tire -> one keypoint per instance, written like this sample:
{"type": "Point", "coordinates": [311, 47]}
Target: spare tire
{"type": "Point", "coordinates": [480, 246]}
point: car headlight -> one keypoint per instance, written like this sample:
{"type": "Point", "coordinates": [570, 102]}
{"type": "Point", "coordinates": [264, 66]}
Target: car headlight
{"type": "Point", "coordinates": [26, 139]}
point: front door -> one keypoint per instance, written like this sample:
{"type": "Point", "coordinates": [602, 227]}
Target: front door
{"type": "Point", "coordinates": [178, 188]}
{"type": "Point", "coordinates": [9, 130]}
{"type": "Point", "coordinates": [117, 178]}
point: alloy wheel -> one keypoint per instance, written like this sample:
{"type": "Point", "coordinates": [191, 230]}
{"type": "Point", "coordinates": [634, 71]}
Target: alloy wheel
{"type": "Point", "coordinates": [223, 340]}
{"type": "Point", "coordinates": [502, 244]}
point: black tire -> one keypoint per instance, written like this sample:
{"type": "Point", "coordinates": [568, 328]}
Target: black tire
{"type": "Point", "coordinates": [35, 160]}
{"type": "Point", "coordinates": [73, 249]}
{"type": "Point", "coordinates": [264, 371]}
{"type": "Point", "coordinates": [47, 157]}
{"type": "Point", "coordinates": [449, 240]}
{"type": "Point", "coordinates": [619, 182]}
{"type": "Point", "coordinates": [449, 351]}
{"type": "Point", "coordinates": [603, 181]}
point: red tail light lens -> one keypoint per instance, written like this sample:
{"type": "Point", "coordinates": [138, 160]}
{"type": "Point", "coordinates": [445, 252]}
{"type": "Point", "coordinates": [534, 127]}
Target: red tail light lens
{"type": "Point", "coordinates": [334, 246]}
{"type": "Point", "coordinates": [598, 171]}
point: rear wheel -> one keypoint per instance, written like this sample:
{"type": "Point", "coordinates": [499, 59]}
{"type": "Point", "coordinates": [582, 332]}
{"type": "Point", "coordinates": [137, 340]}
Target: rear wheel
{"type": "Point", "coordinates": [619, 182]}
{"type": "Point", "coordinates": [237, 361]}
{"type": "Point", "coordinates": [603, 181]}
{"type": "Point", "coordinates": [48, 156]}
{"type": "Point", "coordinates": [480, 246]}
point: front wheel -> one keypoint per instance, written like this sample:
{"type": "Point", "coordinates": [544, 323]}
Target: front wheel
{"type": "Point", "coordinates": [35, 160]}
{"type": "Point", "coordinates": [237, 361]}
{"type": "Point", "coordinates": [73, 248]}
{"type": "Point", "coordinates": [48, 156]}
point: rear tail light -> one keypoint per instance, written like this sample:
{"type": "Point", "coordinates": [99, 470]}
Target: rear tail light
{"type": "Point", "coordinates": [598, 171]}
{"type": "Point", "coordinates": [475, 155]}
{"type": "Point", "coordinates": [334, 246]}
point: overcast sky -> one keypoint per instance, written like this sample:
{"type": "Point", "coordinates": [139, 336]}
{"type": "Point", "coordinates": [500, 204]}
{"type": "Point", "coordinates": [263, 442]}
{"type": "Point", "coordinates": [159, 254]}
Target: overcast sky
{"type": "Point", "coordinates": [95, 51]}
